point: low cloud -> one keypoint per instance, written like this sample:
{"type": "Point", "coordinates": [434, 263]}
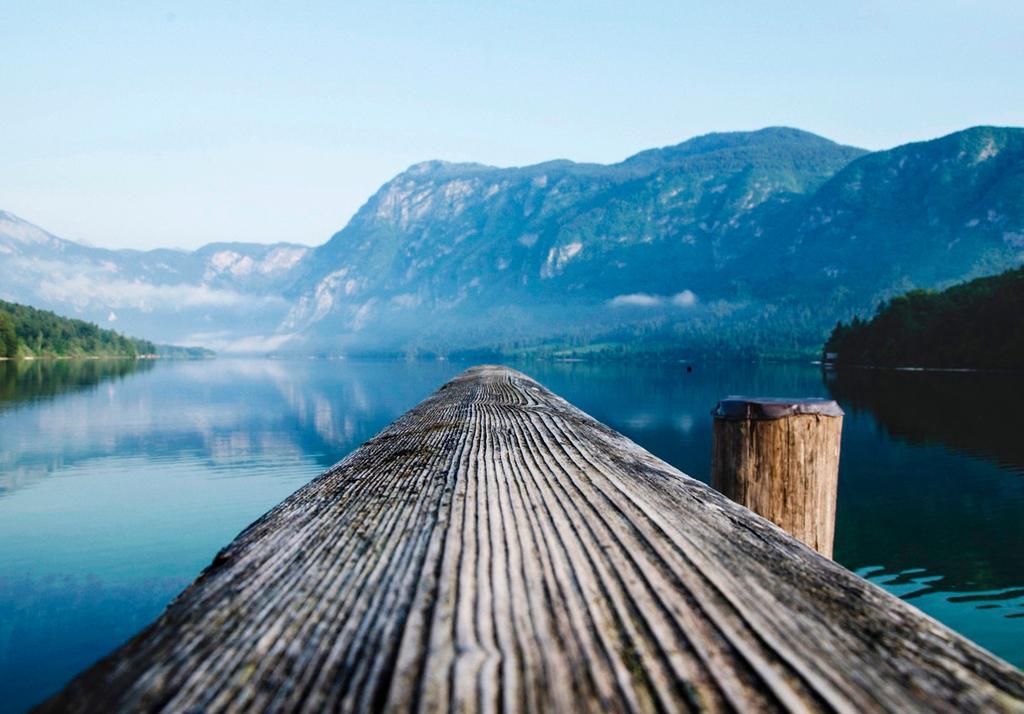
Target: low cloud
{"type": "Point", "coordinates": [223, 342]}
{"type": "Point", "coordinates": [684, 298]}
{"type": "Point", "coordinates": [82, 289]}
{"type": "Point", "coordinates": [636, 300]}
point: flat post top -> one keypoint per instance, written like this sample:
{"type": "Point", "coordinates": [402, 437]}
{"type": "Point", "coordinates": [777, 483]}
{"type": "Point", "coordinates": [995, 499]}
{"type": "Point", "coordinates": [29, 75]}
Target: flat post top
{"type": "Point", "coordinates": [765, 408]}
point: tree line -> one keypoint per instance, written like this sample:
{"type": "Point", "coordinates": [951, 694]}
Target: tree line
{"type": "Point", "coordinates": [29, 332]}
{"type": "Point", "coordinates": [976, 324]}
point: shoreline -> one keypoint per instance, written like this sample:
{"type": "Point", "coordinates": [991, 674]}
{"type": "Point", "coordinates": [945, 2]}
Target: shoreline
{"type": "Point", "coordinates": [56, 358]}
{"type": "Point", "coordinates": [824, 365]}
{"type": "Point", "coordinates": [832, 366]}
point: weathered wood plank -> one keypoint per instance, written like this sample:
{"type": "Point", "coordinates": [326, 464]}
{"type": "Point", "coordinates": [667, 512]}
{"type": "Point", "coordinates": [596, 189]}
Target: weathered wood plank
{"type": "Point", "coordinates": [497, 549]}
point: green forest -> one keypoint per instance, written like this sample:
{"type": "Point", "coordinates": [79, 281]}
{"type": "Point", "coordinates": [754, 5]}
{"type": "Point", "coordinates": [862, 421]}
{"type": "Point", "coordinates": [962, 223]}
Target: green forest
{"type": "Point", "coordinates": [28, 332]}
{"type": "Point", "coordinates": [976, 324]}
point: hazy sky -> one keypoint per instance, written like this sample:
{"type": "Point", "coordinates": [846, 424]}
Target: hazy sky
{"type": "Point", "coordinates": [139, 124]}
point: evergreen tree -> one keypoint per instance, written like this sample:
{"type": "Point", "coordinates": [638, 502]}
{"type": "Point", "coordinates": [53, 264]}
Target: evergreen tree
{"type": "Point", "coordinates": [976, 324]}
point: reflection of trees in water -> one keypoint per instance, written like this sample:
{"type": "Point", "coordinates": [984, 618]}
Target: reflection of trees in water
{"type": "Point", "coordinates": [972, 412]}
{"type": "Point", "coordinates": [926, 508]}
{"type": "Point", "coordinates": [25, 380]}
{"type": "Point", "coordinates": [228, 417]}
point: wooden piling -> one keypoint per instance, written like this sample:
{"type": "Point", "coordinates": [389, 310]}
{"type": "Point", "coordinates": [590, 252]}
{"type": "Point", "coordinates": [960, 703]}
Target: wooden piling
{"type": "Point", "coordinates": [496, 549]}
{"type": "Point", "coordinates": [780, 459]}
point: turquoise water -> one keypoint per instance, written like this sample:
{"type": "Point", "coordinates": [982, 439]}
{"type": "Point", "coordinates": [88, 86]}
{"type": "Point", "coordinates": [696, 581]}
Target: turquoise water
{"type": "Point", "coordinates": [119, 482]}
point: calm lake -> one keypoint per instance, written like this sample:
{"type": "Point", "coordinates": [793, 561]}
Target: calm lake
{"type": "Point", "coordinates": [120, 481]}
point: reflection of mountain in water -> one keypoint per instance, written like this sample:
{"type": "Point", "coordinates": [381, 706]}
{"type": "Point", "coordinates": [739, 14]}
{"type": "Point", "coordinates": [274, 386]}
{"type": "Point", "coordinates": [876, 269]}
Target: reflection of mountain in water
{"type": "Point", "coordinates": [27, 380]}
{"type": "Point", "coordinates": [222, 416]}
{"type": "Point", "coordinates": [972, 412]}
{"type": "Point", "coordinates": [946, 503]}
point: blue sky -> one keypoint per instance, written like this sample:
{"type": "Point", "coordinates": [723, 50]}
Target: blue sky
{"type": "Point", "coordinates": [142, 124]}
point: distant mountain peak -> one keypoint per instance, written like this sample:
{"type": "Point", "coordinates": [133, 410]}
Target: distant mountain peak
{"type": "Point", "coordinates": [440, 167]}
{"type": "Point", "coordinates": [20, 230]}
{"type": "Point", "coordinates": [6, 217]}
{"type": "Point", "coordinates": [973, 133]}
{"type": "Point", "coordinates": [772, 139]}
{"type": "Point", "coordinates": [766, 135]}
{"type": "Point", "coordinates": [702, 144]}
{"type": "Point", "coordinates": [973, 144]}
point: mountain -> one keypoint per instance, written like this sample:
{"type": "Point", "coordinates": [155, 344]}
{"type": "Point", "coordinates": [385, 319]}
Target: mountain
{"type": "Point", "coordinates": [740, 244]}
{"type": "Point", "coordinates": [922, 215]}
{"type": "Point", "coordinates": [219, 295]}
{"type": "Point", "coordinates": [746, 243]}
{"type": "Point", "coordinates": [975, 325]}
{"type": "Point", "coordinates": [457, 256]}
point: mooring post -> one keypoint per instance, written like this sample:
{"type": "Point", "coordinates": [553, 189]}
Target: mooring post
{"type": "Point", "coordinates": [780, 459]}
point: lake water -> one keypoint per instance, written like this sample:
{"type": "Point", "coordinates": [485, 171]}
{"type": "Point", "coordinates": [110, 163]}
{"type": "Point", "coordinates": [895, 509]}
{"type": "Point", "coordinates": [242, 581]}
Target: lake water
{"type": "Point", "coordinates": [119, 482]}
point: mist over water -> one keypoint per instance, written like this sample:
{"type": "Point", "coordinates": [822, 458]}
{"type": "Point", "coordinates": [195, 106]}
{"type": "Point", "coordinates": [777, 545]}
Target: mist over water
{"type": "Point", "coordinates": [119, 482]}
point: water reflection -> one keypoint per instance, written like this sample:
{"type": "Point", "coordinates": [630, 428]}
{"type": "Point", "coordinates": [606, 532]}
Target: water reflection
{"type": "Point", "coordinates": [114, 497]}
{"type": "Point", "coordinates": [952, 504]}
{"type": "Point", "coordinates": [120, 481]}
{"type": "Point", "coordinates": [931, 501]}
{"type": "Point", "coordinates": [229, 415]}
{"type": "Point", "coordinates": [28, 380]}
{"type": "Point", "coordinates": [977, 413]}
{"type": "Point", "coordinates": [665, 408]}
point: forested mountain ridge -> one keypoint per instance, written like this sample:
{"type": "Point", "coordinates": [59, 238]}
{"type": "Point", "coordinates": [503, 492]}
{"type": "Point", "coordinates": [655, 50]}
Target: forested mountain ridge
{"type": "Point", "coordinates": [450, 256]}
{"type": "Point", "coordinates": [749, 243]}
{"type": "Point", "coordinates": [920, 215]}
{"type": "Point", "coordinates": [28, 332]}
{"type": "Point", "coordinates": [739, 244]}
{"type": "Point", "coordinates": [972, 325]}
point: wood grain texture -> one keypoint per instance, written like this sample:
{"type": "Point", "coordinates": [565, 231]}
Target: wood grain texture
{"type": "Point", "coordinates": [785, 469]}
{"type": "Point", "coordinates": [495, 549]}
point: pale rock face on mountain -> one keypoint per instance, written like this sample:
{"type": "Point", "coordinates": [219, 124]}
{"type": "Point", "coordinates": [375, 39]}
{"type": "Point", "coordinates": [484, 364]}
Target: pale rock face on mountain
{"type": "Point", "coordinates": [741, 243]}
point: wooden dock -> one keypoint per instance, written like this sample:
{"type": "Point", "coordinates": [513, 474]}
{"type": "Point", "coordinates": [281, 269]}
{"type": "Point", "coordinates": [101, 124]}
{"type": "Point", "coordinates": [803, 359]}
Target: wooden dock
{"type": "Point", "coordinates": [496, 549]}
